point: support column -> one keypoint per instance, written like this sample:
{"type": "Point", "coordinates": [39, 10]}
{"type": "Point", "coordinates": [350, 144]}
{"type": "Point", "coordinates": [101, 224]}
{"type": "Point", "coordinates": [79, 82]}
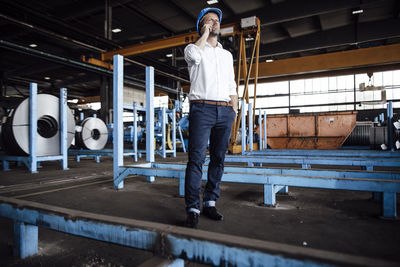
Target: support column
{"type": "Point", "coordinates": [25, 239]}
{"type": "Point", "coordinates": [33, 127]}
{"type": "Point", "coordinates": [135, 132]}
{"type": "Point", "coordinates": [64, 128]}
{"type": "Point", "coordinates": [260, 130]}
{"type": "Point", "coordinates": [118, 134]}
{"type": "Point", "coordinates": [265, 130]}
{"type": "Point", "coordinates": [108, 20]}
{"type": "Point", "coordinates": [389, 205]}
{"type": "Point", "coordinates": [105, 99]}
{"type": "Point", "coordinates": [174, 131]}
{"type": "Point", "coordinates": [390, 125]}
{"type": "Point", "coordinates": [250, 127]}
{"type": "Point", "coordinates": [164, 121]}
{"type": "Point", "coordinates": [243, 127]}
{"type": "Point", "coordinates": [150, 118]}
{"type": "Point", "coordinates": [269, 195]}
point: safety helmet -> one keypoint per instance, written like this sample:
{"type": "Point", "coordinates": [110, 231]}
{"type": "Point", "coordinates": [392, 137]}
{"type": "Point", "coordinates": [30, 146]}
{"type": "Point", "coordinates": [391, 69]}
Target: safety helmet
{"type": "Point", "coordinates": [208, 10]}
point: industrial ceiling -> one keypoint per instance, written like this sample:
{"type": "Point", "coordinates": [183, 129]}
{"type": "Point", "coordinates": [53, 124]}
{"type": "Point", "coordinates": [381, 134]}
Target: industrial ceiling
{"type": "Point", "coordinates": [43, 41]}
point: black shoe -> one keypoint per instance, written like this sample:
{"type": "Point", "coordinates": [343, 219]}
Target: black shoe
{"type": "Point", "coordinates": [212, 213]}
{"type": "Point", "coordinates": [192, 220]}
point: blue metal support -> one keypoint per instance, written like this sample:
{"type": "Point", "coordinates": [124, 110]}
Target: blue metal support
{"type": "Point", "coordinates": [269, 195]}
{"type": "Point", "coordinates": [150, 118]}
{"type": "Point", "coordinates": [260, 140]}
{"type": "Point", "coordinates": [33, 127]}
{"type": "Point", "coordinates": [243, 127]}
{"type": "Point", "coordinates": [135, 132]}
{"type": "Point", "coordinates": [265, 130]}
{"type": "Point", "coordinates": [390, 125]}
{"type": "Point", "coordinates": [64, 128]}
{"type": "Point", "coordinates": [326, 153]}
{"type": "Point", "coordinates": [251, 127]}
{"type": "Point", "coordinates": [194, 245]}
{"type": "Point", "coordinates": [25, 239]}
{"type": "Point", "coordinates": [118, 145]}
{"type": "Point", "coordinates": [181, 137]}
{"type": "Point", "coordinates": [275, 180]}
{"type": "Point", "coordinates": [164, 121]}
{"type": "Point", "coordinates": [389, 205]}
{"type": "Point", "coordinates": [306, 162]}
{"type": "Point", "coordinates": [174, 131]}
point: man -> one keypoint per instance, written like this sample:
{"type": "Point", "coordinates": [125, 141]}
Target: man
{"type": "Point", "coordinates": [213, 106]}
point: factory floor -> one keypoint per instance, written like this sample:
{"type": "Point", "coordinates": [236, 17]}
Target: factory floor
{"type": "Point", "coordinates": [333, 220]}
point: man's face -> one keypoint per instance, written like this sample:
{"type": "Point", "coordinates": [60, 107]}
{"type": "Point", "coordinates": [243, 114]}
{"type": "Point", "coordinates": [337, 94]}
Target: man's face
{"type": "Point", "coordinates": [213, 20]}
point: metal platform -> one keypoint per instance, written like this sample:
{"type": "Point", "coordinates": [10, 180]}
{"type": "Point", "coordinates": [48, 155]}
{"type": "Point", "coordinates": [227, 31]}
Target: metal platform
{"type": "Point", "coordinates": [97, 154]}
{"type": "Point", "coordinates": [275, 180]}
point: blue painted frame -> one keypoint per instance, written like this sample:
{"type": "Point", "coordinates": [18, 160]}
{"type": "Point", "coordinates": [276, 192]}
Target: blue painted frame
{"type": "Point", "coordinates": [195, 245]}
{"type": "Point", "coordinates": [32, 161]}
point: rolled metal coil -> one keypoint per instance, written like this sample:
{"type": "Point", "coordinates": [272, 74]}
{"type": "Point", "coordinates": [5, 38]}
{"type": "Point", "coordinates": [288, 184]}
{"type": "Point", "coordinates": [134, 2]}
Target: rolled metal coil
{"type": "Point", "coordinates": [15, 132]}
{"type": "Point", "coordinates": [92, 134]}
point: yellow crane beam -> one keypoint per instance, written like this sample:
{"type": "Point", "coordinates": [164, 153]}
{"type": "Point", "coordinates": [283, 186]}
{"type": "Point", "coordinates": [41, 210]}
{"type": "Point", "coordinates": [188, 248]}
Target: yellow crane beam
{"type": "Point", "coordinates": [363, 57]}
{"type": "Point", "coordinates": [178, 40]}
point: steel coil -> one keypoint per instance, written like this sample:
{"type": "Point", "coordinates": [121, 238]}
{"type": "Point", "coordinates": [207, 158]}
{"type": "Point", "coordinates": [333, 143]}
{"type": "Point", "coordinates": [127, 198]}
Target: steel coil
{"type": "Point", "coordinates": [92, 134]}
{"type": "Point", "coordinates": [15, 132]}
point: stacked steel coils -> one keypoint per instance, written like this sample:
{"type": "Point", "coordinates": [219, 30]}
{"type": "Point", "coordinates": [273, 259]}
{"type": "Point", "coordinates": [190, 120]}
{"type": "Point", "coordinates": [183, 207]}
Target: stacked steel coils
{"type": "Point", "coordinates": [15, 132]}
{"type": "Point", "coordinates": [91, 134]}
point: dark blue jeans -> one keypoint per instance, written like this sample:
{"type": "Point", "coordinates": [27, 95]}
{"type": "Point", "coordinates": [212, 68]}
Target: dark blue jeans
{"type": "Point", "coordinates": [206, 122]}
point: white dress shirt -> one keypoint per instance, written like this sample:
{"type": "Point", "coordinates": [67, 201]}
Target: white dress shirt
{"type": "Point", "coordinates": [211, 73]}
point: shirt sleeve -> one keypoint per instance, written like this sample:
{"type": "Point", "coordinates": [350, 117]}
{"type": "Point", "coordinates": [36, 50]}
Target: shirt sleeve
{"type": "Point", "coordinates": [193, 54]}
{"type": "Point", "coordinates": [232, 83]}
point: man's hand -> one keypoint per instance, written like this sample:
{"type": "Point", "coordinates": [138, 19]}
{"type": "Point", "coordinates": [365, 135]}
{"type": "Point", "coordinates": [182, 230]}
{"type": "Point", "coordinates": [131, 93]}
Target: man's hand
{"type": "Point", "coordinates": [234, 102]}
{"type": "Point", "coordinates": [206, 29]}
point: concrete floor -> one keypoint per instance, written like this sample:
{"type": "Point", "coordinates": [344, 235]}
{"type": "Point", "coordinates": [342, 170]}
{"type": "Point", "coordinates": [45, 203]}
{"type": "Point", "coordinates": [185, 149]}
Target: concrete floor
{"type": "Point", "coordinates": [334, 220]}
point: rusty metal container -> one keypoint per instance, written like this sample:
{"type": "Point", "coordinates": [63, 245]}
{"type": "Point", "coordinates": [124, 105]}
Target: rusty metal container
{"type": "Point", "coordinates": [310, 131]}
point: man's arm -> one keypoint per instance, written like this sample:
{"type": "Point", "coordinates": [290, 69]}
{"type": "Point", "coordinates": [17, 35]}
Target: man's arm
{"type": "Point", "coordinates": [205, 32]}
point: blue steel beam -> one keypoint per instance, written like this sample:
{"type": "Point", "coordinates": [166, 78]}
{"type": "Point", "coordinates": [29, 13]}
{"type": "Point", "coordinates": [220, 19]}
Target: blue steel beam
{"type": "Point", "coordinates": [243, 129]}
{"type": "Point", "coordinates": [64, 128]}
{"type": "Point", "coordinates": [265, 130]}
{"type": "Point", "coordinates": [274, 182]}
{"type": "Point", "coordinates": [195, 245]}
{"type": "Point", "coordinates": [33, 127]}
{"type": "Point", "coordinates": [326, 152]}
{"type": "Point", "coordinates": [307, 161]}
{"type": "Point", "coordinates": [357, 184]}
{"type": "Point", "coordinates": [301, 172]}
{"type": "Point", "coordinates": [118, 145]}
{"type": "Point", "coordinates": [250, 127]}
{"type": "Point", "coordinates": [390, 125]}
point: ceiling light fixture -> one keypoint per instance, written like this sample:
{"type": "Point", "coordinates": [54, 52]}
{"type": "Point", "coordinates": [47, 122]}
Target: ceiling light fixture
{"type": "Point", "coordinates": [211, 2]}
{"type": "Point", "coordinates": [168, 55]}
{"type": "Point", "coordinates": [116, 30]}
{"type": "Point", "coordinates": [358, 11]}
{"type": "Point", "coordinates": [47, 78]}
{"type": "Point", "coordinates": [249, 39]}
{"type": "Point", "coordinates": [269, 60]}
{"type": "Point", "coordinates": [33, 45]}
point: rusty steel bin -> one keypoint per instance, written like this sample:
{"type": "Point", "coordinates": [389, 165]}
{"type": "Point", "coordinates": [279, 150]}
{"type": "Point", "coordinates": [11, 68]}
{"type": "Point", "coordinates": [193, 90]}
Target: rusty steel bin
{"type": "Point", "coordinates": [310, 131]}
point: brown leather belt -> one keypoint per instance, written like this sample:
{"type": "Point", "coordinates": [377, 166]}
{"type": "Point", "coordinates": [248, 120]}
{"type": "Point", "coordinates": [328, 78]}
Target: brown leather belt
{"type": "Point", "coordinates": [217, 103]}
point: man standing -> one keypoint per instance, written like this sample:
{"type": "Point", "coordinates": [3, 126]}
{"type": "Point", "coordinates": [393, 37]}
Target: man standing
{"type": "Point", "coordinates": [213, 106]}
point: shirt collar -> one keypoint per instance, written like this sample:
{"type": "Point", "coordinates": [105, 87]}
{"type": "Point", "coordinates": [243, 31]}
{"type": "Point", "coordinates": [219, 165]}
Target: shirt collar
{"type": "Point", "coordinates": [218, 45]}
